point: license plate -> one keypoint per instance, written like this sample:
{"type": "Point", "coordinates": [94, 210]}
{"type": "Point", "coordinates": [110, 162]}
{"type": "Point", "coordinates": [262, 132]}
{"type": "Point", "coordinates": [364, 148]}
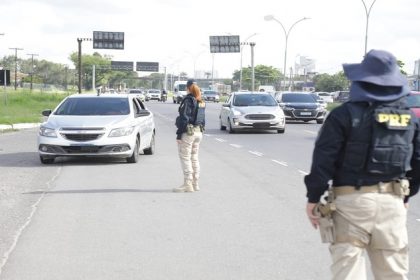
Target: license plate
{"type": "Point", "coordinates": [305, 113]}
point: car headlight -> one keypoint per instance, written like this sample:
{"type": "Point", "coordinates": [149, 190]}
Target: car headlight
{"type": "Point", "coordinates": [47, 132]}
{"type": "Point", "coordinates": [122, 131]}
{"type": "Point", "coordinates": [236, 112]}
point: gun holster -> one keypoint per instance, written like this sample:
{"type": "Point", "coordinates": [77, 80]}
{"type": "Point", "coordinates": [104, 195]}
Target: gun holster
{"type": "Point", "coordinates": [326, 223]}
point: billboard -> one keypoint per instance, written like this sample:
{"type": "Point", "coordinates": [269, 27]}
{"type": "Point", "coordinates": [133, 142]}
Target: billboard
{"type": "Point", "coordinates": [225, 44]}
{"type": "Point", "coordinates": [108, 40]}
{"type": "Point", "coordinates": [3, 76]}
{"type": "Point", "coordinates": [122, 65]}
{"type": "Point", "coordinates": [147, 66]}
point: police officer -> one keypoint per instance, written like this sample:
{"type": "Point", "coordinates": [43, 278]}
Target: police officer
{"type": "Point", "coordinates": [190, 126]}
{"type": "Point", "coordinates": [367, 148]}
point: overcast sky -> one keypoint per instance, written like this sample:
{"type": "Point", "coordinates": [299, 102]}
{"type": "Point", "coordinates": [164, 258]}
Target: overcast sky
{"type": "Point", "coordinates": [176, 33]}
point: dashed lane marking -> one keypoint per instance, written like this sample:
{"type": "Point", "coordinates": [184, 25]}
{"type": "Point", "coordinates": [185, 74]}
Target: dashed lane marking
{"type": "Point", "coordinates": [311, 132]}
{"type": "Point", "coordinates": [236, 146]}
{"type": "Point", "coordinates": [220, 140]}
{"type": "Point", "coordinates": [280, 162]}
{"type": "Point", "coordinates": [258, 154]}
{"type": "Point", "coordinates": [303, 172]}
{"type": "Point", "coordinates": [418, 220]}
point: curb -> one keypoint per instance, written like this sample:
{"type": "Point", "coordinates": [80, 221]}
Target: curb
{"type": "Point", "coordinates": [18, 126]}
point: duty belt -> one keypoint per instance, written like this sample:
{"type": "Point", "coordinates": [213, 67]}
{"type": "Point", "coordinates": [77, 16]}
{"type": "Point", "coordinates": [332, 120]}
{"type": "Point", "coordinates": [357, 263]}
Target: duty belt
{"type": "Point", "coordinates": [377, 188]}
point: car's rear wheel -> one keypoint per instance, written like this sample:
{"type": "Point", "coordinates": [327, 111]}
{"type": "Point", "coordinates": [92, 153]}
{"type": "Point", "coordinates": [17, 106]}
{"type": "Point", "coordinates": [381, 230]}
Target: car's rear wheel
{"type": "Point", "coordinates": [135, 156]}
{"type": "Point", "coordinates": [46, 160]}
{"type": "Point", "coordinates": [151, 149]}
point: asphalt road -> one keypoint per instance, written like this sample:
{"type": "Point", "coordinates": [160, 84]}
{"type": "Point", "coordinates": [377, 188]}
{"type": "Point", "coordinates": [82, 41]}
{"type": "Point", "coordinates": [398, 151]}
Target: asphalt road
{"type": "Point", "coordinates": [105, 219]}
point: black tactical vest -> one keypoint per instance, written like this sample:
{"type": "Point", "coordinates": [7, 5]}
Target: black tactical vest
{"type": "Point", "coordinates": [380, 141]}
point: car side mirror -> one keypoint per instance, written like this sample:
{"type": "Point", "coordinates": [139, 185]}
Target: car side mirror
{"type": "Point", "coordinates": [226, 105]}
{"type": "Point", "coordinates": [47, 112]}
{"type": "Point", "coordinates": [143, 113]}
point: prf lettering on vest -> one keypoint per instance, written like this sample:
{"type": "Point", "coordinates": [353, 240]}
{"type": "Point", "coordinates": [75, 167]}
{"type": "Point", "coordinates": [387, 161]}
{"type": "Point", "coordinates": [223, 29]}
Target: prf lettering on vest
{"type": "Point", "coordinates": [394, 119]}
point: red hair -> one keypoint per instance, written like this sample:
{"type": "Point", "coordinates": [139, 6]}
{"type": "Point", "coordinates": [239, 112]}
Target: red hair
{"type": "Point", "coordinates": [195, 91]}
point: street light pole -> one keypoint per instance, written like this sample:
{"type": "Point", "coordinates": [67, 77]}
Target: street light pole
{"type": "Point", "coordinates": [16, 49]}
{"type": "Point", "coordinates": [240, 73]}
{"type": "Point", "coordinates": [286, 34]}
{"type": "Point", "coordinates": [367, 21]}
{"type": "Point", "coordinates": [32, 66]}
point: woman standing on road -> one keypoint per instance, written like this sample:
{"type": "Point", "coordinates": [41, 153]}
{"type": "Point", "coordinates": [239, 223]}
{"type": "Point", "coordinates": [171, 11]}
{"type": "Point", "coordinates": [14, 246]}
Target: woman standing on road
{"type": "Point", "coordinates": [190, 126]}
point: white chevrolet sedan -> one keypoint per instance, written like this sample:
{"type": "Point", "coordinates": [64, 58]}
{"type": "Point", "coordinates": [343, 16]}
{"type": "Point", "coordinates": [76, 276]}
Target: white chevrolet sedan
{"type": "Point", "coordinates": [252, 110]}
{"type": "Point", "coordinates": [107, 125]}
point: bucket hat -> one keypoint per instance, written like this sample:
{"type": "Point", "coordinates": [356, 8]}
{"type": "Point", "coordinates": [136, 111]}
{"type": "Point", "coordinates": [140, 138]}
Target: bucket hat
{"type": "Point", "coordinates": [379, 68]}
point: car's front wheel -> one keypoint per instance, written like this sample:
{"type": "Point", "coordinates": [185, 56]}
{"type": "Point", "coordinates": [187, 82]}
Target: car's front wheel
{"type": "Point", "coordinates": [151, 149]}
{"type": "Point", "coordinates": [46, 160]}
{"type": "Point", "coordinates": [320, 121]}
{"type": "Point", "coordinates": [281, 130]}
{"type": "Point", "coordinates": [231, 130]}
{"type": "Point", "coordinates": [135, 155]}
{"type": "Point", "coordinates": [222, 127]}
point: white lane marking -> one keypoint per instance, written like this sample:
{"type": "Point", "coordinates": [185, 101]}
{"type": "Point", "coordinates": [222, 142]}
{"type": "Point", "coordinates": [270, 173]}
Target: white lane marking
{"type": "Point", "coordinates": [418, 220]}
{"type": "Point", "coordinates": [220, 140]}
{"type": "Point", "coordinates": [236, 146]}
{"type": "Point", "coordinates": [205, 134]}
{"type": "Point", "coordinates": [303, 172]}
{"type": "Point", "coordinates": [311, 132]}
{"type": "Point", "coordinates": [258, 154]}
{"type": "Point", "coordinates": [280, 162]}
{"type": "Point", "coordinates": [34, 207]}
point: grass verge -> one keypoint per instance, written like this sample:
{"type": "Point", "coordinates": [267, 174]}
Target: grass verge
{"type": "Point", "coordinates": [24, 106]}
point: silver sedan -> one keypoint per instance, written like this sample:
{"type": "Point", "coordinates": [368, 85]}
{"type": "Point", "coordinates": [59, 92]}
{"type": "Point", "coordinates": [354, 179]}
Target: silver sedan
{"type": "Point", "coordinates": [251, 110]}
{"type": "Point", "coordinates": [107, 125]}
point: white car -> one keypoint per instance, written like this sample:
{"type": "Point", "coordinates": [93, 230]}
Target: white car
{"type": "Point", "coordinates": [252, 110]}
{"type": "Point", "coordinates": [326, 96]}
{"type": "Point", "coordinates": [138, 93]}
{"type": "Point", "coordinates": [107, 125]}
{"type": "Point", "coordinates": [154, 94]}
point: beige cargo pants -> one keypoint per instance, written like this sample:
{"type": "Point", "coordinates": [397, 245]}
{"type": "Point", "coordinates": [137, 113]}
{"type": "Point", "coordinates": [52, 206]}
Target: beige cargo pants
{"type": "Point", "coordinates": [188, 154]}
{"type": "Point", "coordinates": [375, 222]}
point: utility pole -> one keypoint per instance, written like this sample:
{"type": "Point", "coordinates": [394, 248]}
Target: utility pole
{"type": "Point", "coordinates": [79, 61]}
{"type": "Point", "coordinates": [32, 66]}
{"type": "Point", "coordinates": [252, 44]}
{"type": "Point", "coordinates": [16, 49]}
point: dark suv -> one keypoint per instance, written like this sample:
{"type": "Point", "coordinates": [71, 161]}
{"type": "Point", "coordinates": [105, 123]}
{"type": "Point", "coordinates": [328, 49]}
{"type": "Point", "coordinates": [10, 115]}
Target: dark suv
{"type": "Point", "coordinates": [301, 106]}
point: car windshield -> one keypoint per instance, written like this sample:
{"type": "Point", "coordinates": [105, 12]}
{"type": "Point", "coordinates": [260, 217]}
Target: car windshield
{"type": "Point", "coordinates": [413, 101]}
{"type": "Point", "coordinates": [94, 106]}
{"type": "Point", "coordinates": [297, 98]}
{"type": "Point", "coordinates": [182, 87]}
{"type": "Point", "coordinates": [254, 100]}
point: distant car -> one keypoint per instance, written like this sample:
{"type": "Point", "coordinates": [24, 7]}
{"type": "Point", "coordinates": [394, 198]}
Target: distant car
{"type": "Point", "coordinates": [251, 110]}
{"type": "Point", "coordinates": [108, 125]}
{"type": "Point", "coordinates": [154, 94]}
{"type": "Point", "coordinates": [326, 96]}
{"type": "Point", "coordinates": [138, 93]}
{"type": "Point", "coordinates": [319, 99]}
{"type": "Point", "coordinates": [342, 96]}
{"type": "Point", "coordinates": [413, 101]}
{"type": "Point", "coordinates": [211, 95]}
{"type": "Point", "coordinates": [301, 106]}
